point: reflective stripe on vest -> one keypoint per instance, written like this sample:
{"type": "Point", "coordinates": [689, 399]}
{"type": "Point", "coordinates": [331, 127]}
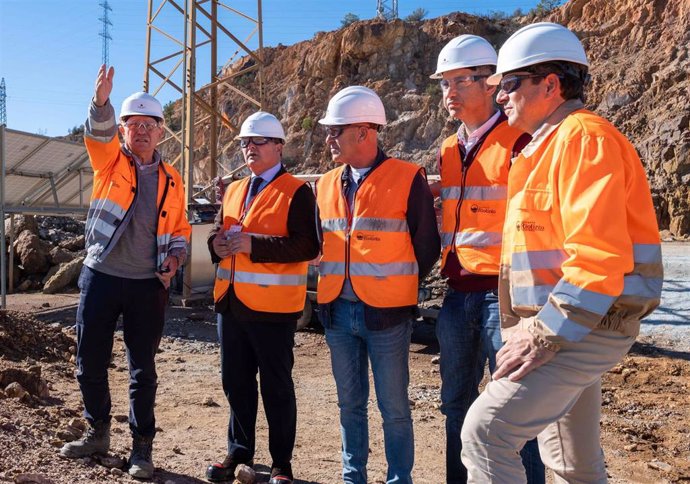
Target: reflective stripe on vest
{"type": "Point", "coordinates": [473, 239]}
{"type": "Point", "coordinates": [475, 193]}
{"type": "Point", "coordinates": [476, 236]}
{"type": "Point", "coordinates": [528, 290]}
{"type": "Point", "coordinates": [377, 247]}
{"type": "Point", "coordinates": [368, 269]}
{"type": "Point", "coordinates": [267, 287]}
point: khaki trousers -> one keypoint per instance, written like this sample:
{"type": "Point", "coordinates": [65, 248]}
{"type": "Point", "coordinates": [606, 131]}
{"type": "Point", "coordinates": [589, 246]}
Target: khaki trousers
{"type": "Point", "coordinates": [559, 403]}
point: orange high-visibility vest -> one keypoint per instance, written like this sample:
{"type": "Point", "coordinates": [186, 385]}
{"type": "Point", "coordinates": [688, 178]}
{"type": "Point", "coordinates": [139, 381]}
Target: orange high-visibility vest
{"type": "Point", "coordinates": [473, 200]}
{"type": "Point", "coordinates": [274, 287]}
{"type": "Point", "coordinates": [114, 188]}
{"type": "Point", "coordinates": [581, 245]}
{"type": "Point", "coordinates": [372, 245]}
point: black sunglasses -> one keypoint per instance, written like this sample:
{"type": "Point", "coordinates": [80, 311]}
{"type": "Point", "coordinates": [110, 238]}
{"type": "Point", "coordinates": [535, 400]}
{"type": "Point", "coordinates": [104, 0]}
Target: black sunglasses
{"type": "Point", "coordinates": [513, 82]}
{"type": "Point", "coordinates": [335, 131]}
{"type": "Point", "coordinates": [257, 140]}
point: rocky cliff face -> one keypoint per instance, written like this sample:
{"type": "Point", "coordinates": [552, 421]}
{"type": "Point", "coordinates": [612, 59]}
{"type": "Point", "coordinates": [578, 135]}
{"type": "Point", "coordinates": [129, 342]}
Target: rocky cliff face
{"type": "Point", "coordinates": [640, 56]}
{"type": "Point", "coordinates": [640, 63]}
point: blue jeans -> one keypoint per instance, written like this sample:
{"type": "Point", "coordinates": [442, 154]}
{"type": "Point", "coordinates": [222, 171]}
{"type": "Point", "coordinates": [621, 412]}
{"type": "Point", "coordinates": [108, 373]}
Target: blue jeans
{"type": "Point", "coordinates": [352, 346]}
{"type": "Point", "coordinates": [468, 330]}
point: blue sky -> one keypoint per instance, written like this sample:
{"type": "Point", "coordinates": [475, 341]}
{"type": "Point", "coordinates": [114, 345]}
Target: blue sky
{"type": "Point", "coordinates": [50, 50]}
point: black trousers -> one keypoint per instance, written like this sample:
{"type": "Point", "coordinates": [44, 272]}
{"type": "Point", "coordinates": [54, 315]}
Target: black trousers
{"type": "Point", "coordinates": [142, 303]}
{"type": "Point", "coordinates": [248, 348]}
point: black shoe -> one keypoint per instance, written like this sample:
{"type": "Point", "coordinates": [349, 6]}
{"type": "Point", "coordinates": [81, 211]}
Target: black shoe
{"type": "Point", "coordinates": [224, 471]}
{"type": "Point", "coordinates": [281, 475]}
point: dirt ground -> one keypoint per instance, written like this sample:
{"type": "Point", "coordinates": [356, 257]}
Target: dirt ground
{"type": "Point", "coordinates": [645, 421]}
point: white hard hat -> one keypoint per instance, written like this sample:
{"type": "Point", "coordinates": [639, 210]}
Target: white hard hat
{"type": "Point", "coordinates": [354, 104]}
{"type": "Point", "coordinates": [262, 124]}
{"type": "Point", "coordinates": [463, 52]}
{"type": "Point", "coordinates": [538, 43]}
{"type": "Point", "coordinates": [141, 104]}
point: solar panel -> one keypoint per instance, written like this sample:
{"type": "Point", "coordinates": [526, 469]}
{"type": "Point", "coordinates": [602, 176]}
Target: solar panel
{"type": "Point", "coordinates": [42, 173]}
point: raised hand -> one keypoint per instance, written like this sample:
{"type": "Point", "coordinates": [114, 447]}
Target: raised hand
{"type": "Point", "coordinates": [104, 85]}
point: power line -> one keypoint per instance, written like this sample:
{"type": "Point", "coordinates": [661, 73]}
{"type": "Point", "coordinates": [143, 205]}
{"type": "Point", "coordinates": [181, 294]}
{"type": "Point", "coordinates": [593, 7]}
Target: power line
{"type": "Point", "coordinates": [105, 30]}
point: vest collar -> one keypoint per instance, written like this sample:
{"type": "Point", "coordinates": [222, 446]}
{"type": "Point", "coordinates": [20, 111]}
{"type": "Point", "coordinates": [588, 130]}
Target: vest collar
{"type": "Point", "coordinates": [346, 175]}
{"type": "Point", "coordinates": [552, 122]}
{"type": "Point", "coordinates": [156, 158]}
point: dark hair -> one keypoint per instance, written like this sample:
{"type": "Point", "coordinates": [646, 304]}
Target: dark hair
{"type": "Point", "coordinates": [485, 69]}
{"type": "Point", "coordinates": [574, 77]}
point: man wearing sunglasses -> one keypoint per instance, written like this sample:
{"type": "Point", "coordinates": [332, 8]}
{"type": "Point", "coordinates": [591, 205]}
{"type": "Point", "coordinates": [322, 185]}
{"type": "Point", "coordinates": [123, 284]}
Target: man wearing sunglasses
{"type": "Point", "coordinates": [262, 240]}
{"type": "Point", "coordinates": [379, 241]}
{"type": "Point", "coordinates": [136, 239]}
{"type": "Point", "coordinates": [581, 264]}
{"type": "Point", "coordinates": [473, 164]}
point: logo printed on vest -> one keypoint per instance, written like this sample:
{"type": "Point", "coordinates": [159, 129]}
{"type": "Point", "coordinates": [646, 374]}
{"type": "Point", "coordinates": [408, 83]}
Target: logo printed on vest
{"type": "Point", "coordinates": [369, 238]}
{"type": "Point", "coordinates": [528, 226]}
{"type": "Point", "coordinates": [476, 208]}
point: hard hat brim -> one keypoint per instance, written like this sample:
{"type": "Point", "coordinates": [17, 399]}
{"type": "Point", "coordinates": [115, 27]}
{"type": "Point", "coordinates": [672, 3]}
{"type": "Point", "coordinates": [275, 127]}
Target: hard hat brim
{"type": "Point", "coordinates": [494, 80]}
{"type": "Point", "coordinates": [344, 122]}
{"type": "Point", "coordinates": [463, 65]}
{"type": "Point", "coordinates": [258, 135]}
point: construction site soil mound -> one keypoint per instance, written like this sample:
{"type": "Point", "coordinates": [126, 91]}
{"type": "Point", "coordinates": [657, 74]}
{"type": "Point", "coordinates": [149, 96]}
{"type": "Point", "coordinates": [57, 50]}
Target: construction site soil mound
{"type": "Point", "coordinates": [23, 337]}
{"type": "Point", "coordinates": [645, 414]}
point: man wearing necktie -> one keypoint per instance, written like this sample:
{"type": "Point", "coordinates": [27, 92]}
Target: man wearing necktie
{"type": "Point", "coordinates": [262, 240]}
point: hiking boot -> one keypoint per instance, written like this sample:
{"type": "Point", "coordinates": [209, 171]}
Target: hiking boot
{"type": "Point", "coordinates": [224, 471]}
{"type": "Point", "coordinates": [140, 461]}
{"type": "Point", "coordinates": [96, 440]}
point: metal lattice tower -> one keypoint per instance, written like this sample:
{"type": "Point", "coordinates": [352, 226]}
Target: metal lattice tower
{"type": "Point", "coordinates": [105, 30]}
{"type": "Point", "coordinates": [175, 56]}
{"type": "Point", "coordinates": [387, 9]}
{"type": "Point", "coordinates": [3, 103]}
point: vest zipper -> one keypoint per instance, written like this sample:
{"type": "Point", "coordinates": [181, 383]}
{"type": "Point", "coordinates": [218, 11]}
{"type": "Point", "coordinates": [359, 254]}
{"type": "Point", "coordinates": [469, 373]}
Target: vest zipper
{"type": "Point", "coordinates": [232, 269]}
{"type": "Point", "coordinates": [347, 233]}
{"type": "Point", "coordinates": [458, 207]}
{"type": "Point", "coordinates": [165, 194]}
{"type": "Point", "coordinates": [243, 214]}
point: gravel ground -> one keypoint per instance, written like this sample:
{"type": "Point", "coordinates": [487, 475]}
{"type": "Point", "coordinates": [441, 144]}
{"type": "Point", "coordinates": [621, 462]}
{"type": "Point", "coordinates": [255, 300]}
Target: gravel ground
{"type": "Point", "coordinates": [669, 325]}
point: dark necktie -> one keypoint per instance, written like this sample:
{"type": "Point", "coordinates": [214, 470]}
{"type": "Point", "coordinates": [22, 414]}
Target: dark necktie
{"type": "Point", "coordinates": [253, 189]}
{"type": "Point", "coordinates": [351, 189]}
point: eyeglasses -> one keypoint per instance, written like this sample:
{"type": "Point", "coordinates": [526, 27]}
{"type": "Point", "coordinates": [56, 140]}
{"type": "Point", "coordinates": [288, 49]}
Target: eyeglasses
{"type": "Point", "coordinates": [462, 81]}
{"type": "Point", "coordinates": [513, 82]}
{"type": "Point", "coordinates": [134, 126]}
{"type": "Point", "coordinates": [257, 140]}
{"type": "Point", "coordinates": [335, 131]}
